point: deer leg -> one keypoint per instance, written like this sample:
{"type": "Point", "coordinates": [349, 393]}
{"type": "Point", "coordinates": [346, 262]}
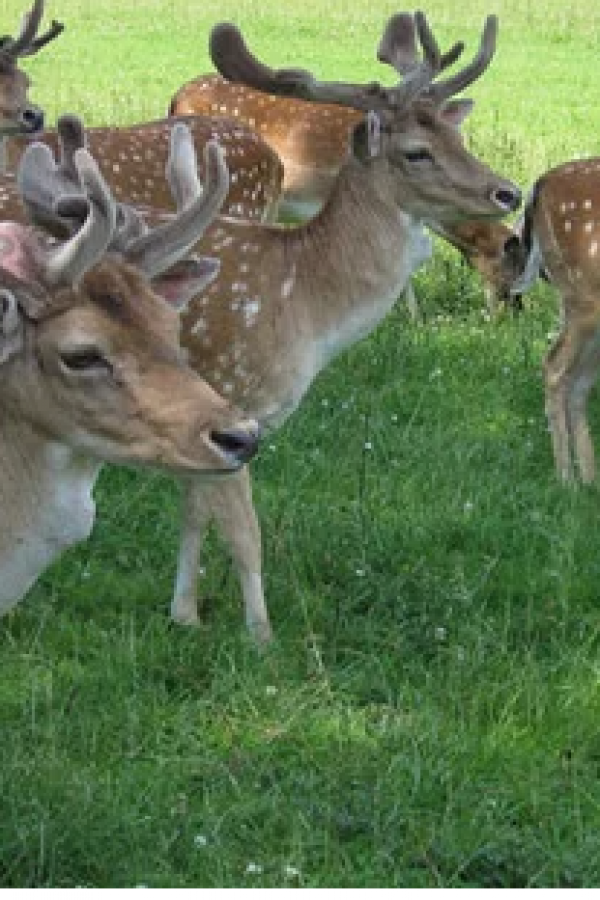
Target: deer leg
{"type": "Point", "coordinates": [229, 503]}
{"type": "Point", "coordinates": [195, 517]}
{"type": "Point", "coordinates": [236, 518]}
{"type": "Point", "coordinates": [581, 383]}
{"type": "Point", "coordinates": [556, 377]}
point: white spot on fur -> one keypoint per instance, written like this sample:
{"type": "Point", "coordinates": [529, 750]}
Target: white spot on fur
{"type": "Point", "coordinates": [199, 326]}
{"type": "Point", "coordinates": [288, 284]}
{"type": "Point", "coordinates": [251, 311]}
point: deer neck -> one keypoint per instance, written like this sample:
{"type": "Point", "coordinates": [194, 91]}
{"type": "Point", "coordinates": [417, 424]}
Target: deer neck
{"type": "Point", "coordinates": [356, 258]}
{"type": "Point", "coordinates": [45, 504]}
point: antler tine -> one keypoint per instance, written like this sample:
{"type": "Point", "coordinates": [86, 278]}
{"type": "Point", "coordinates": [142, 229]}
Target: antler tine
{"type": "Point", "coordinates": [71, 136]}
{"type": "Point", "coordinates": [443, 90]}
{"type": "Point", "coordinates": [182, 169]}
{"type": "Point", "coordinates": [56, 28]}
{"type": "Point", "coordinates": [398, 48]}
{"type": "Point", "coordinates": [398, 45]}
{"type": "Point", "coordinates": [159, 249]}
{"type": "Point", "coordinates": [29, 27]}
{"type": "Point", "coordinates": [235, 62]}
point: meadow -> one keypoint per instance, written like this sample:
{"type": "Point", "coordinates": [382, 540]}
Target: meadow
{"type": "Point", "coordinates": [428, 714]}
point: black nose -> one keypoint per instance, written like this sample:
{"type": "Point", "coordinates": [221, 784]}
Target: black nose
{"type": "Point", "coordinates": [237, 443]}
{"type": "Point", "coordinates": [32, 119]}
{"type": "Point", "coordinates": [507, 199]}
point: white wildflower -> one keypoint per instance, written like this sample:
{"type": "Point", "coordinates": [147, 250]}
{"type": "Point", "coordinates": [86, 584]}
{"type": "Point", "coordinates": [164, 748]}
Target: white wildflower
{"type": "Point", "coordinates": [253, 869]}
{"type": "Point", "coordinates": [291, 872]}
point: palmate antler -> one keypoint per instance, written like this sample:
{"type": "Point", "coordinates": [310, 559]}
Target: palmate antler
{"type": "Point", "coordinates": [398, 47]}
{"type": "Point", "coordinates": [26, 43]}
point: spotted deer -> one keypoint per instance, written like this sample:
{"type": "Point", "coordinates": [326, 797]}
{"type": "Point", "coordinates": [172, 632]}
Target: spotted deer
{"type": "Point", "coordinates": [560, 241]}
{"type": "Point", "coordinates": [17, 114]}
{"type": "Point", "coordinates": [288, 300]}
{"type": "Point", "coordinates": [133, 159]}
{"type": "Point", "coordinates": [313, 142]}
{"type": "Point", "coordinates": [91, 366]}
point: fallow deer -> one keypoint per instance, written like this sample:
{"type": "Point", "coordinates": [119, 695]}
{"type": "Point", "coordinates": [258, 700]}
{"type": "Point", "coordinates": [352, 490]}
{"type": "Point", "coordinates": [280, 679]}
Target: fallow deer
{"type": "Point", "coordinates": [313, 142]}
{"type": "Point", "coordinates": [288, 300]}
{"type": "Point", "coordinates": [560, 240]}
{"type": "Point", "coordinates": [133, 159]}
{"type": "Point", "coordinates": [17, 114]}
{"type": "Point", "coordinates": [91, 368]}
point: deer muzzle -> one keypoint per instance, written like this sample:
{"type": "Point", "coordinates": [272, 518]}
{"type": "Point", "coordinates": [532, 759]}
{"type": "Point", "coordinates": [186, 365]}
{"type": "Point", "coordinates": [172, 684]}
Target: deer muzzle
{"type": "Point", "coordinates": [237, 445]}
{"type": "Point", "coordinates": [31, 119]}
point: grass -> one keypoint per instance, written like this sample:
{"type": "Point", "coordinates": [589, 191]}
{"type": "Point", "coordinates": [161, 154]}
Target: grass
{"type": "Point", "coordinates": [428, 713]}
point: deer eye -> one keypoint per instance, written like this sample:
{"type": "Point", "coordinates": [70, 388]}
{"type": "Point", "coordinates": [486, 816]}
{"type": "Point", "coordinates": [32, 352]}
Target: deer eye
{"type": "Point", "coordinates": [418, 155]}
{"type": "Point", "coordinates": [85, 361]}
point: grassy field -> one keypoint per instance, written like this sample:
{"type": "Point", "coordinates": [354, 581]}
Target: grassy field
{"type": "Point", "coordinates": [428, 715]}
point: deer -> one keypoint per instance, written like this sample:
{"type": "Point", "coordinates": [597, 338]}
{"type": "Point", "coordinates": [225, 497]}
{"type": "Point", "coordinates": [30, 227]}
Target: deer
{"type": "Point", "coordinates": [560, 242]}
{"type": "Point", "coordinates": [133, 159]}
{"type": "Point", "coordinates": [288, 300]}
{"type": "Point", "coordinates": [313, 141]}
{"type": "Point", "coordinates": [91, 365]}
{"type": "Point", "coordinates": [17, 114]}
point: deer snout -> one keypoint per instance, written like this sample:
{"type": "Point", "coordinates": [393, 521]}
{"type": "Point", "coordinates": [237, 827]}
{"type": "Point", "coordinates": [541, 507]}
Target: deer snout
{"type": "Point", "coordinates": [239, 444]}
{"type": "Point", "coordinates": [507, 198]}
{"type": "Point", "coordinates": [32, 119]}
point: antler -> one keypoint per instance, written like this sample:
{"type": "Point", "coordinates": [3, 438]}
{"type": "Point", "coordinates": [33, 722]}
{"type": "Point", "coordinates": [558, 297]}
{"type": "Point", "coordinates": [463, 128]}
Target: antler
{"type": "Point", "coordinates": [51, 192]}
{"type": "Point", "coordinates": [26, 43]}
{"type": "Point", "coordinates": [398, 48]}
{"type": "Point", "coordinates": [67, 263]}
{"type": "Point", "coordinates": [443, 90]}
{"type": "Point", "coordinates": [53, 197]}
{"type": "Point", "coordinates": [235, 62]}
{"type": "Point", "coordinates": [157, 250]}
{"type": "Point", "coordinates": [182, 168]}
{"type": "Point", "coordinates": [398, 45]}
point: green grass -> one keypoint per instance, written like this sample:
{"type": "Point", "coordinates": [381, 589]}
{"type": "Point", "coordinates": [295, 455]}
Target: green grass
{"type": "Point", "coordinates": [429, 712]}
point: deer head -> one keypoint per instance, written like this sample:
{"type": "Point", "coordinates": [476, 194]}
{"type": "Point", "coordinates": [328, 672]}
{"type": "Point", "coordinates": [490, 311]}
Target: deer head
{"type": "Point", "coordinates": [17, 114]}
{"type": "Point", "coordinates": [90, 352]}
{"type": "Point", "coordinates": [409, 134]}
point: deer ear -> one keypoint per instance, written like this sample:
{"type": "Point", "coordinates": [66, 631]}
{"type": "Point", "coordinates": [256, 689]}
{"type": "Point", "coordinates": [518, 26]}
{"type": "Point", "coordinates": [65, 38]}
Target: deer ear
{"type": "Point", "coordinates": [11, 325]}
{"type": "Point", "coordinates": [183, 281]}
{"type": "Point", "coordinates": [456, 111]}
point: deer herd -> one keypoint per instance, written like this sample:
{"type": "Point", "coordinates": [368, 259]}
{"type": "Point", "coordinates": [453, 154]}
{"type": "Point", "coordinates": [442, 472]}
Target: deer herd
{"type": "Point", "coordinates": [153, 311]}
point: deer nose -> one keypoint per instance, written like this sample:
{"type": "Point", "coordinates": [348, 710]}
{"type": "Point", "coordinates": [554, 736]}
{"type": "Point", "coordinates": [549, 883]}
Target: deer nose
{"type": "Point", "coordinates": [507, 198]}
{"type": "Point", "coordinates": [238, 444]}
{"type": "Point", "coordinates": [32, 119]}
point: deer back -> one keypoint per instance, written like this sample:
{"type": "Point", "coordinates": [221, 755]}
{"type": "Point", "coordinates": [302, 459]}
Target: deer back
{"type": "Point", "coordinates": [133, 159]}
